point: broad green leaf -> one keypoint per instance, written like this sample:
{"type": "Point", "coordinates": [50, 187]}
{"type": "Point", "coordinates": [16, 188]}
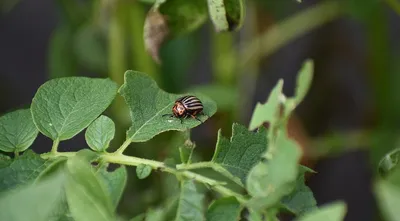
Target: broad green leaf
{"type": "Point", "coordinates": [147, 103]}
{"type": "Point", "coordinates": [226, 15]}
{"type": "Point", "coordinates": [17, 131]}
{"type": "Point", "coordinates": [239, 154]}
{"type": "Point", "coordinates": [32, 202]}
{"type": "Point", "coordinates": [22, 170]}
{"type": "Point", "coordinates": [63, 107]}
{"type": "Point", "coordinates": [275, 177]}
{"type": "Point", "coordinates": [269, 111]}
{"type": "Point", "coordinates": [330, 212]}
{"type": "Point", "coordinates": [301, 199]}
{"type": "Point", "coordinates": [171, 18]}
{"type": "Point", "coordinates": [224, 209]}
{"type": "Point", "coordinates": [99, 133]}
{"type": "Point", "coordinates": [191, 203]}
{"type": "Point", "coordinates": [86, 196]}
{"type": "Point", "coordinates": [114, 181]}
{"type": "Point", "coordinates": [225, 96]}
{"type": "Point", "coordinates": [143, 171]}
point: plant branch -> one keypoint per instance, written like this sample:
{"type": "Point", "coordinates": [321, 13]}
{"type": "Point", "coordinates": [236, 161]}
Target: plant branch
{"type": "Point", "coordinates": [135, 161]}
{"type": "Point", "coordinates": [56, 142]}
{"type": "Point", "coordinates": [122, 148]}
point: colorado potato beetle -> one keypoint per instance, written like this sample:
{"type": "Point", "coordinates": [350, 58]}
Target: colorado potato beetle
{"type": "Point", "coordinates": [187, 106]}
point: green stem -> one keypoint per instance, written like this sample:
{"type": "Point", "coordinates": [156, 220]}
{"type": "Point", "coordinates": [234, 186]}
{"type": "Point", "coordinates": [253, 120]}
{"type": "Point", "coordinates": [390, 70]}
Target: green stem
{"type": "Point", "coordinates": [135, 161]}
{"type": "Point", "coordinates": [57, 154]}
{"type": "Point", "coordinates": [122, 148]}
{"type": "Point", "coordinates": [55, 145]}
{"type": "Point", "coordinates": [16, 154]}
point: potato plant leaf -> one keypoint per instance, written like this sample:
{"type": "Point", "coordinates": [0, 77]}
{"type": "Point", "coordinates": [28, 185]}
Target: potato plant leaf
{"type": "Point", "coordinates": [331, 212]}
{"type": "Point", "coordinates": [274, 177]}
{"type": "Point", "coordinates": [22, 170]}
{"type": "Point", "coordinates": [301, 199]}
{"type": "Point", "coordinates": [100, 133]}
{"type": "Point", "coordinates": [114, 181]}
{"type": "Point", "coordinates": [224, 209]}
{"type": "Point", "coordinates": [147, 103]}
{"type": "Point", "coordinates": [32, 202]}
{"type": "Point", "coordinates": [269, 111]}
{"type": "Point", "coordinates": [239, 154]}
{"type": "Point", "coordinates": [226, 15]}
{"type": "Point", "coordinates": [143, 171]}
{"type": "Point", "coordinates": [169, 19]}
{"type": "Point", "coordinates": [191, 203]}
{"type": "Point", "coordinates": [17, 131]}
{"type": "Point", "coordinates": [63, 107]}
{"type": "Point", "coordinates": [86, 196]}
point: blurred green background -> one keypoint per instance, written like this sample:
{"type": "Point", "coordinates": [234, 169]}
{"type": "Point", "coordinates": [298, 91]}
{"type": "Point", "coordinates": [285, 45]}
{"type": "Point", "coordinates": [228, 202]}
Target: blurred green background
{"type": "Point", "coordinates": [348, 121]}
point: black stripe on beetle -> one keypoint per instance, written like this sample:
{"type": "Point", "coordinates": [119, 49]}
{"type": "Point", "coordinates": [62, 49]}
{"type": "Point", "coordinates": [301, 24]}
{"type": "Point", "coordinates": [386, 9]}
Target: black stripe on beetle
{"type": "Point", "coordinates": [187, 106]}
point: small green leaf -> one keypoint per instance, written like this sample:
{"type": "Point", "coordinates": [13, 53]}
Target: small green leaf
{"type": "Point", "coordinates": [115, 182]}
{"type": "Point", "coordinates": [191, 205]}
{"type": "Point", "coordinates": [32, 202]}
{"type": "Point", "coordinates": [269, 181]}
{"type": "Point", "coordinates": [171, 18]}
{"type": "Point", "coordinates": [147, 103]}
{"type": "Point", "coordinates": [390, 162]}
{"type": "Point", "coordinates": [100, 133]}
{"type": "Point", "coordinates": [226, 15]}
{"type": "Point", "coordinates": [63, 107]}
{"type": "Point", "coordinates": [304, 79]}
{"type": "Point", "coordinates": [301, 199]}
{"type": "Point", "coordinates": [269, 111]}
{"type": "Point", "coordinates": [143, 171]}
{"type": "Point", "coordinates": [239, 154]}
{"type": "Point", "coordinates": [86, 196]}
{"type": "Point", "coordinates": [330, 212]}
{"type": "Point", "coordinates": [5, 161]}
{"type": "Point", "coordinates": [17, 131]}
{"type": "Point", "coordinates": [224, 209]}
{"type": "Point", "coordinates": [22, 170]}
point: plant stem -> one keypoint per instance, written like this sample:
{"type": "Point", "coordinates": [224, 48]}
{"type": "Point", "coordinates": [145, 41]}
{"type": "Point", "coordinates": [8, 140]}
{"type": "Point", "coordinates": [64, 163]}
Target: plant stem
{"type": "Point", "coordinates": [55, 146]}
{"type": "Point", "coordinates": [57, 154]}
{"type": "Point", "coordinates": [122, 148]}
{"type": "Point", "coordinates": [135, 161]}
{"type": "Point", "coordinates": [16, 154]}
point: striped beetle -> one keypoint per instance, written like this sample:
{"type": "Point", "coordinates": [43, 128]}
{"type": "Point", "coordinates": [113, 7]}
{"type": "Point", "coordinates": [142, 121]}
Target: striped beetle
{"type": "Point", "coordinates": [187, 106]}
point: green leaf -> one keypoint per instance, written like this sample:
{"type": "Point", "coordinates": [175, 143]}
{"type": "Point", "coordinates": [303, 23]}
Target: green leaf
{"type": "Point", "coordinates": [226, 15]}
{"type": "Point", "coordinates": [147, 104]}
{"type": "Point", "coordinates": [269, 111]}
{"type": "Point", "coordinates": [330, 212]}
{"type": "Point", "coordinates": [171, 18]}
{"type": "Point", "coordinates": [100, 133]}
{"type": "Point", "coordinates": [17, 131]}
{"type": "Point", "coordinates": [388, 195]}
{"type": "Point", "coordinates": [143, 171]}
{"type": "Point", "coordinates": [155, 214]}
{"type": "Point", "coordinates": [239, 154]}
{"type": "Point", "coordinates": [390, 162]}
{"type": "Point", "coordinates": [301, 199]}
{"type": "Point", "coordinates": [304, 80]}
{"type": "Point", "coordinates": [5, 161]}
{"type": "Point", "coordinates": [191, 205]}
{"type": "Point", "coordinates": [63, 107]}
{"type": "Point", "coordinates": [275, 177]}
{"type": "Point", "coordinates": [32, 202]}
{"type": "Point", "coordinates": [22, 170]}
{"type": "Point", "coordinates": [224, 209]}
{"type": "Point", "coordinates": [86, 196]}
{"type": "Point", "coordinates": [114, 181]}
{"type": "Point", "coordinates": [225, 96]}
{"type": "Point", "coordinates": [140, 217]}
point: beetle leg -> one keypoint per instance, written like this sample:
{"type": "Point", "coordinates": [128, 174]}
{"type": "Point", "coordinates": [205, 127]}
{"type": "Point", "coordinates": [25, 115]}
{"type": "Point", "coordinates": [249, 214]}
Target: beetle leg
{"type": "Point", "coordinates": [194, 117]}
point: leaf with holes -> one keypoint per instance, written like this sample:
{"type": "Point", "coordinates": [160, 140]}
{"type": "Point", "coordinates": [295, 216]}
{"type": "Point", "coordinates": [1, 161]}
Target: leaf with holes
{"type": "Point", "coordinates": [239, 154]}
{"type": "Point", "coordinates": [148, 103]}
{"type": "Point", "coordinates": [17, 131]}
{"type": "Point", "coordinates": [63, 107]}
